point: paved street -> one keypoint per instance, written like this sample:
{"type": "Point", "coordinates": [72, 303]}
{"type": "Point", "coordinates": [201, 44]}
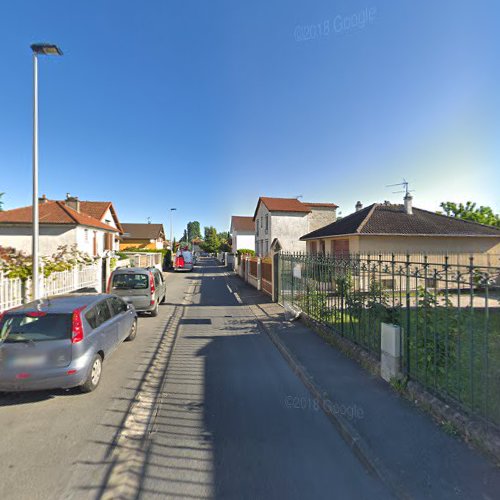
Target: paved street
{"type": "Point", "coordinates": [224, 425]}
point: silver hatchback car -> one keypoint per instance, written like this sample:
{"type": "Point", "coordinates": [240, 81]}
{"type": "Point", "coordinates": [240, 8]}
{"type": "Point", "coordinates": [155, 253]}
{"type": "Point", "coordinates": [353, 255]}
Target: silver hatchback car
{"type": "Point", "coordinates": [62, 341]}
{"type": "Point", "coordinates": [144, 287]}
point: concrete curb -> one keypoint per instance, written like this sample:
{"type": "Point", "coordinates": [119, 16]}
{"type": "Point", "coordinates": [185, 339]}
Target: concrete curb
{"type": "Point", "coordinates": [349, 434]}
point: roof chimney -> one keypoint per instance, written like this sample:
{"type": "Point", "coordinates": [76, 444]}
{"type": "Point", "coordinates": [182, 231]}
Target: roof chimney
{"type": "Point", "coordinates": [72, 202]}
{"type": "Point", "coordinates": [43, 199]}
{"type": "Point", "coordinates": [408, 203]}
{"type": "Point", "coordinates": [359, 206]}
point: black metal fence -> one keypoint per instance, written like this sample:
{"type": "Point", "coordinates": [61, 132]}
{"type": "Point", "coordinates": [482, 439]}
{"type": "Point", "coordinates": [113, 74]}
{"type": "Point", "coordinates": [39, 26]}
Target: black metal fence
{"type": "Point", "coordinates": [447, 307]}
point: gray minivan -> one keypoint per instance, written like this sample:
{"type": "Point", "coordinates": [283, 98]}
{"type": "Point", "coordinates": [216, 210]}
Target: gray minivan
{"type": "Point", "coordinates": [144, 287]}
{"type": "Point", "coordinates": [62, 341]}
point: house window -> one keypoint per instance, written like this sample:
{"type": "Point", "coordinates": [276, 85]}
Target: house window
{"type": "Point", "coordinates": [387, 283]}
{"type": "Point", "coordinates": [266, 248]}
{"type": "Point", "coordinates": [340, 247]}
{"type": "Point", "coordinates": [108, 241]}
{"type": "Point", "coordinates": [322, 247]}
{"type": "Point", "coordinates": [267, 223]}
{"type": "Point", "coordinates": [313, 248]}
{"type": "Point", "coordinates": [430, 282]}
{"type": "Point", "coordinates": [86, 234]}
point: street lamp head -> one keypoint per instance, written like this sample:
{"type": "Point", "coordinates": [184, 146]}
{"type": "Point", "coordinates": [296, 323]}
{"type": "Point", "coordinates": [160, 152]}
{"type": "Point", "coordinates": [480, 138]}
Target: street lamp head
{"type": "Point", "coordinates": [46, 49]}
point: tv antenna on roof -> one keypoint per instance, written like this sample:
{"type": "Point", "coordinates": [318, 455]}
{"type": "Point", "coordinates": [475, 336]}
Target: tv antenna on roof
{"type": "Point", "coordinates": [299, 196]}
{"type": "Point", "coordinates": [405, 185]}
{"type": "Point", "coordinates": [149, 220]}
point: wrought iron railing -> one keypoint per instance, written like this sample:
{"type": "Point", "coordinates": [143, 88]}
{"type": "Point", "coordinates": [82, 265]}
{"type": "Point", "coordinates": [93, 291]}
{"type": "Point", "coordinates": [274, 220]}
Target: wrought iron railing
{"type": "Point", "coordinates": [448, 309]}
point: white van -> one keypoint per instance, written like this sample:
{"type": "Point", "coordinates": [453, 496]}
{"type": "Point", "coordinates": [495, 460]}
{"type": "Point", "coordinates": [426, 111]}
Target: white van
{"type": "Point", "coordinates": [183, 261]}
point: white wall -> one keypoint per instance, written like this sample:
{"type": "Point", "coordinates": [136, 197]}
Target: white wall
{"type": "Point", "coordinates": [288, 228]}
{"type": "Point", "coordinates": [51, 237]}
{"type": "Point", "coordinates": [243, 241]}
{"type": "Point", "coordinates": [110, 221]}
{"type": "Point", "coordinates": [85, 240]}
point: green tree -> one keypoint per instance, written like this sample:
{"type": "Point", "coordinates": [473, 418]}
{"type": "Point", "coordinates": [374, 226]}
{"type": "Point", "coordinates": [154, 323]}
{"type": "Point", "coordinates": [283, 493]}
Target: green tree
{"type": "Point", "coordinates": [184, 238]}
{"type": "Point", "coordinates": [1, 202]}
{"type": "Point", "coordinates": [469, 211]}
{"type": "Point", "coordinates": [225, 241]}
{"type": "Point", "coordinates": [212, 242]}
{"type": "Point", "coordinates": [193, 230]}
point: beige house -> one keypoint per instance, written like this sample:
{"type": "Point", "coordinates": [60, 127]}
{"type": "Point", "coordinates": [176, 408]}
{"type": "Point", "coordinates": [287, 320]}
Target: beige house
{"type": "Point", "coordinates": [402, 229]}
{"type": "Point", "coordinates": [287, 219]}
{"type": "Point", "coordinates": [142, 236]}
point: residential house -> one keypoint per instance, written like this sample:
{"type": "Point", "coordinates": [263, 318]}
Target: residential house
{"type": "Point", "coordinates": [144, 236]}
{"type": "Point", "coordinates": [287, 219]}
{"type": "Point", "coordinates": [62, 223]}
{"type": "Point", "coordinates": [402, 229]}
{"type": "Point", "coordinates": [242, 233]}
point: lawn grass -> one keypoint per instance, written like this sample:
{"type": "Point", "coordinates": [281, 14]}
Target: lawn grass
{"type": "Point", "coordinates": [452, 351]}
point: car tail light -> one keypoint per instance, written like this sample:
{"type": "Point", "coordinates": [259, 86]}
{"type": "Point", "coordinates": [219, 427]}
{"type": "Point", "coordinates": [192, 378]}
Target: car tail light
{"type": "Point", "coordinates": [71, 372]}
{"type": "Point", "coordinates": [2, 314]}
{"type": "Point", "coordinates": [77, 326]}
{"type": "Point", "coordinates": [23, 375]}
{"type": "Point", "coordinates": [36, 314]}
{"type": "Point", "coordinates": [152, 283]}
{"type": "Point", "coordinates": [108, 289]}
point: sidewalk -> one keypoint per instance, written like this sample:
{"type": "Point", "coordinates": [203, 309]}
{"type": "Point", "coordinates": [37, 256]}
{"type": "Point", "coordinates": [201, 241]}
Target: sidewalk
{"type": "Point", "coordinates": [396, 440]}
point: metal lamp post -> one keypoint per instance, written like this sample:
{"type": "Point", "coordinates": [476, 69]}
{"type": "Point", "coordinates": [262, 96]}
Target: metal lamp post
{"type": "Point", "coordinates": [172, 232]}
{"type": "Point", "coordinates": [46, 49]}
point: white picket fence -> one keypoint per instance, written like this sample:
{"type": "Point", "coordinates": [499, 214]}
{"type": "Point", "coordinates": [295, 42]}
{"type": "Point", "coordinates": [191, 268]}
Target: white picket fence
{"type": "Point", "coordinates": [143, 259]}
{"type": "Point", "coordinates": [13, 292]}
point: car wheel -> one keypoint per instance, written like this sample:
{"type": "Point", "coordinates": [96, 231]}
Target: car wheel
{"type": "Point", "coordinates": [133, 331]}
{"type": "Point", "coordinates": [154, 312]}
{"type": "Point", "coordinates": [94, 376]}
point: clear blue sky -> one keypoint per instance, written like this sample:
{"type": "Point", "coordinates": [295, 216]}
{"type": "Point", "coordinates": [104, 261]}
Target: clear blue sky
{"type": "Point", "coordinates": [206, 105]}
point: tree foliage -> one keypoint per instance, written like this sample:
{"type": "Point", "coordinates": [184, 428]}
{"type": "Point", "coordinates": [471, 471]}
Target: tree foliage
{"type": "Point", "coordinates": [17, 264]}
{"type": "Point", "coordinates": [212, 242]}
{"type": "Point", "coordinates": [470, 212]}
{"type": "Point", "coordinates": [225, 241]}
{"type": "Point", "coordinates": [1, 202]}
{"type": "Point", "coordinates": [193, 230]}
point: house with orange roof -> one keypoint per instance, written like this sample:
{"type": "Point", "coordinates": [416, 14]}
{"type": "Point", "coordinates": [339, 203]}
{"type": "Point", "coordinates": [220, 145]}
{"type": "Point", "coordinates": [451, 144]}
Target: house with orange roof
{"type": "Point", "coordinates": [92, 226]}
{"type": "Point", "coordinates": [285, 219]}
{"type": "Point", "coordinates": [242, 233]}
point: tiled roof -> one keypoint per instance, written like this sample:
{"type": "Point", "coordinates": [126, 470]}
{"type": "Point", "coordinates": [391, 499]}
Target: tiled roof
{"type": "Point", "coordinates": [142, 231]}
{"type": "Point", "coordinates": [242, 223]}
{"type": "Point", "coordinates": [97, 209]}
{"type": "Point", "coordinates": [290, 205]}
{"type": "Point", "coordinates": [283, 205]}
{"type": "Point", "coordinates": [320, 205]}
{"type": "Point", "coordinates": [387, 219]}
{"type": "Point", "coordinates": [52, 212]}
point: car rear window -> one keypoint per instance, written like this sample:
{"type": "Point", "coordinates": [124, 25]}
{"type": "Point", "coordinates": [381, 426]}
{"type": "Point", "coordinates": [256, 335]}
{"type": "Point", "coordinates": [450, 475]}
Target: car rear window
{"type": "Point", "coordinates": [39, 328]}
{"type": "Point", "coordinates": [130, 281]}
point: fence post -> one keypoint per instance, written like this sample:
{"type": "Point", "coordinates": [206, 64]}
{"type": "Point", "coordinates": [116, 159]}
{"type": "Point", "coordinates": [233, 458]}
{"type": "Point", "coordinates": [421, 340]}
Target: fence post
{"type": "Point", "coordinates": [275, 276]}
{"type": "Point", "coordinates": [247, 270]}
{"type": "Point", "coordinates": [390, 351]}
{"type": "Point", "coordinates": [259, 273]}
{"type": "Point", "coordinates": [76, 277]}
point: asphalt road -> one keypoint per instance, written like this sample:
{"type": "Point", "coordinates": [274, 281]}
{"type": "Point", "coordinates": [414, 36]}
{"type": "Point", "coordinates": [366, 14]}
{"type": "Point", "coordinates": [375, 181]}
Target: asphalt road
{"type": "Point", "coordinates": [225, 426]}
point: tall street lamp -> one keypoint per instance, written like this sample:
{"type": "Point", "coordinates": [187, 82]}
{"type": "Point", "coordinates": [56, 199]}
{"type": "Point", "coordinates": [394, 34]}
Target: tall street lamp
{"type": "Point", "coordinates": [46, 49]}
{"type": "Point", "coordinates": [172, 232]}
